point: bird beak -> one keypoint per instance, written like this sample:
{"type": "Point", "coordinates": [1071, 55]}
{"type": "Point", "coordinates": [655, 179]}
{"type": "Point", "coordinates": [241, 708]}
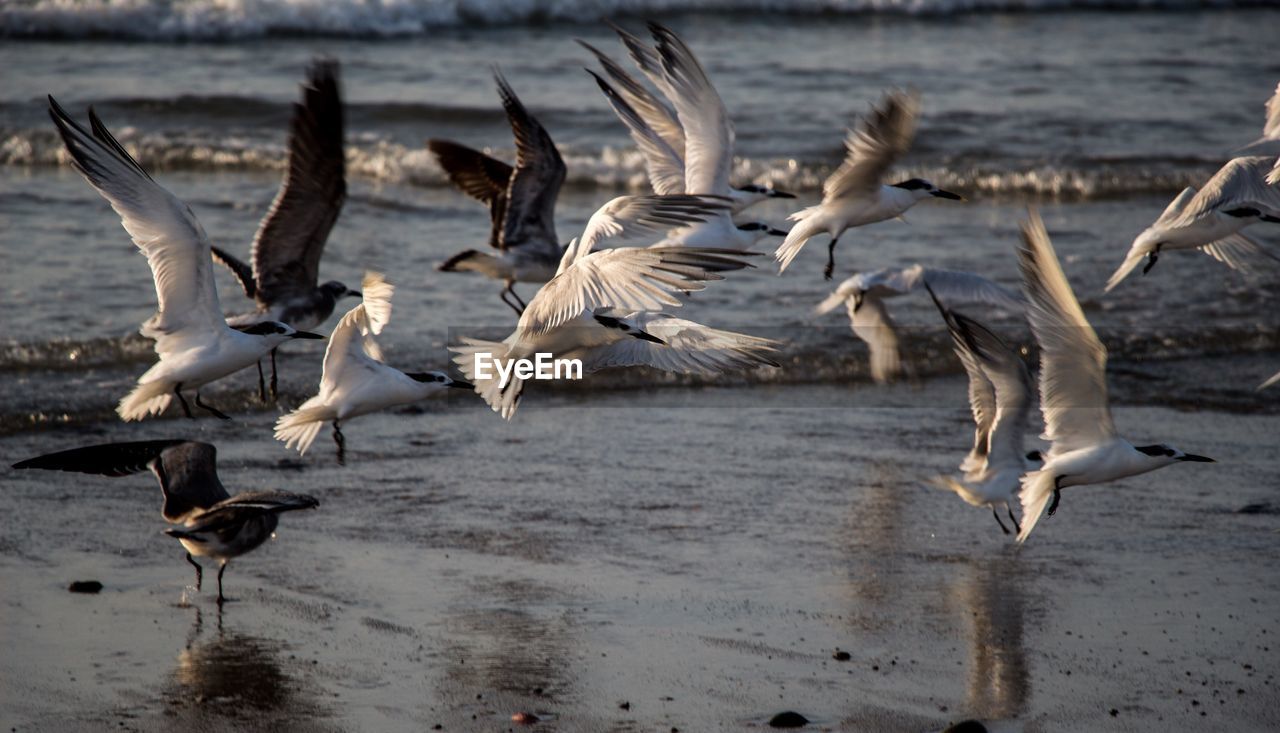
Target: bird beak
{"type": "Point", "coordinates": [355, 293]}
{"type": "Point", "coordinates": [1195, 458]}
{"type": "Point", "coordinates": [306, 335]}
{"type": "Point", "coordinates": [778, 232]}
{"type": "Point", "coordinates": [947, 195]}
{"type": "Point", "coordinates": [459, 384]}
{"type": "Point", "coordinates": [649, 337]}
{"type": "Point", "coordinates": [780, 195]}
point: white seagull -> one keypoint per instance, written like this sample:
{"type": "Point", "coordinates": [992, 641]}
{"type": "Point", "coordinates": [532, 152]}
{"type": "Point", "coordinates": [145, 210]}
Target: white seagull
{"type": "Point", "coordinates": [355, 380]}
{"type": "Point", "coordinates": [284, 275]}
{"type": "Point", "coordinates": [1073, 390]}
{"type": "Point", "coordinates": [696, 154]}
{"type": "Point", "coordinates": [214, 523]}
{"type": "Point", "coordinates": [601, 306]}
{"type": "Point", "coordinates": [194, 343]}
{"type": "Point", "coordinates": [1211, 219]}
{"type": "Point", "coordinates": [1000, 390]}
{"type": "Point", "coordinates": [864, 293]}
{"type": "Point", "coordinates": [521, 201]}
{"type": "Point", "coordinates": [856, 193]}
{"type": "Point", "coordinates": [662, 133]}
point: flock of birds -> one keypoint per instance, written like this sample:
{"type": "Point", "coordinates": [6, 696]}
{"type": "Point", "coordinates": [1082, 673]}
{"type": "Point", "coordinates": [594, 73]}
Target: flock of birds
{"type": "Point", "coordinates": [605, 306]}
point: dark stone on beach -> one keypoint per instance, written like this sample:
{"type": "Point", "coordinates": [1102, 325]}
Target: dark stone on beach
{"type": "Point", "coordinates": [967, 726]}
{"type": "Point", "coordinates": [1114, 712]}
{"type": "Point", "coordinates": [840, 656]}
{"type": "Point", "coordinates": [85, 586]}
{"type": "Point", "coordinates": [624, 705]}
{"type": "Point", "coordinates": [1261, 508]}
{"type": "Point", "coordinates": [788, 719]}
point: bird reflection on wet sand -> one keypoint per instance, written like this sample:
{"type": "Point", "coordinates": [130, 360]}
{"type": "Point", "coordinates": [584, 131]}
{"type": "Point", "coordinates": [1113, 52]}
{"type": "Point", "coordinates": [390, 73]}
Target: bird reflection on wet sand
{"type": "Point", "coordinates": [989, 595]}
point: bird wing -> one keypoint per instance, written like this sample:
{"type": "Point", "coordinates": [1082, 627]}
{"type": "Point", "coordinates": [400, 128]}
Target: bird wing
{"type": "Point", "coordinates": [1175, 207]}
{"type": "Point", "coordinates": [649, 61]}
{"type": "Point", "coordinates": [708, 150]}
{"type": "Point", "coordinates": [953, 286]}
{"type": "Point", "coordinates": [1073, 362]}
{"type": "Point", "coordinates": [664, 164]}
{"type": "Point", "coordinates": [627, 279]}
{"type": "Point", "coordinates": [162, 226]}
{"type": "Point", "coordinates": [872, 148]}
{"type": "Point", "coordinates": [479, 176]}
{"type": "Point", "coordinates": [535, 184]}
{"type": "Point", "coordinates": [871, 323]}
{"type": "Point", "coordinates": [352, 344]}
{"type": "Point", "coordinates": [1241, 183]}
{"type": "Point", "coordinates": [242, 271]}
{"type": "Point", "coordinates": [688, 348]}
{"type": "Point", "coordinates": [229, 515]}
{"type": "Point", "coordinates": [843, 292]}
{"type": "Point", "coordinates": [187, 470]}
{"type": "Point", "coordinates": [291, 237]}
{"type": "Point", "coordinates": [656, 116]}
{"type": "Point", "coordinates": [982, 393]}
{"type": "Point", "coordinates": [1237, 251]}
{"type": "Point", "coordinates": [631, 216]}
{"type": "Point", "coordinates": [1012, 388]}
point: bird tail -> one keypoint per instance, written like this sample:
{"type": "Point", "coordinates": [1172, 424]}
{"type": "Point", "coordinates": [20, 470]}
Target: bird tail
{"type": "Point", "coordinates": [799, 234]}
{"type": "Point", "coordinates": [148, 398]}
{"type": "Point", "coordinates": [1131, 260]}
{"type": "Point", "coordinates": [946, 483]}
{"type": "Point", "coordinates": [299, 428]}
{"type": "Point", "coordinates": [503, 399]}
{"type": "Point", "coordinates": [1037, 489]}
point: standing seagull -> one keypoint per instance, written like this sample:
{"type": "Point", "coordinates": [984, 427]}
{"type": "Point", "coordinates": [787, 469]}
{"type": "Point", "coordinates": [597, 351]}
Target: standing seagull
{"type": "Point", "coordinates": [1000, 390]}
{"type": "Point", "coordinates": [1211, 219]}
{"type": "Point", "coordinates": [291, 238]}
{"type": "Point", "coordinates": [521, 201]}
{"type": "Point", "coordinates": [1073, 390]}
{"type": "Point", "coordinates": [355, 380]}
{"type": "Point", "coordinates": [214, 523]}
{"type": "Point", "coordinates": [195, 344]}
{"type": "Point", "coordinates": [855, 194]}
{"type": "Point", "coordinates": [600, 306]}
{"type": "Point", "coordinates": [864, 293]}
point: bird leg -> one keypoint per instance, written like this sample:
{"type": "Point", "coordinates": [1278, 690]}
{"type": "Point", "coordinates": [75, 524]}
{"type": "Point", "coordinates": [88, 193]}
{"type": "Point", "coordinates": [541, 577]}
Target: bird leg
{"type": "Point", "coordinates": [262, 384]}
{"type": "Point", "coordinates": [997, 516]}
{"type": "Point", "coordinates": [274, 381]}
{"type": "Point", "coordinates": [1016, 527]}
{"type": "Point", "coordinates": [186, 409]}
{"type": "Point", "coordinates": [199, 570]}
{"type": "Point", "coordinates": [216, 412]}
{"type": "Point", "coordinates": [221, 598]}
{"type": "Point", "coordinates": [831, 259]}
{"type": "Point", "coordinates": [342, 443]}
{"type": "Point", "coordinates": [518, 305]}
{"type": "Point", "coordinates": [1054, 506]}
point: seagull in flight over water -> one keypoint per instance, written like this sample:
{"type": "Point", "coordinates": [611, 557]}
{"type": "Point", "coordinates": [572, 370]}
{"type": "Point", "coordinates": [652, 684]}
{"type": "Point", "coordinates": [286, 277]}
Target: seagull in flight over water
{"type": "Point", "coordinates": [1073, 390]}
{"type": "Point", "coordinates": [856, 193]}
{"type": "Point", "coordinates": [1000, 390]}
{"type": "Point", "coordinates": [193, 341]}
{"type": "Point", "coordinates": [1210, 219]}
{"type": "Point", "coordinates": [214, 523]}
{"type": "Point", "coordinates": [290, 240]}
{"type": "Point", "coordinates": [601, 307]}
{"type": "Point", "coordinates": [864, 294]}
{"type": "Point", "coordinates": [355, 380]}
{"type": "Point", "coordinates": [521, 201]}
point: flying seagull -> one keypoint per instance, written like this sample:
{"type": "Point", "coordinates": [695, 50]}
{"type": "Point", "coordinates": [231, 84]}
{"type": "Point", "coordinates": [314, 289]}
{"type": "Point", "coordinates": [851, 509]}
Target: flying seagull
{"type": "Point", "coordinates": [194, 343]}
{"type": "Point", "coordinates": [214, 524]}
{"type": "Point", "coordinates": [521, 201]}
{"type": "Point", "coordinates": [856, 193]}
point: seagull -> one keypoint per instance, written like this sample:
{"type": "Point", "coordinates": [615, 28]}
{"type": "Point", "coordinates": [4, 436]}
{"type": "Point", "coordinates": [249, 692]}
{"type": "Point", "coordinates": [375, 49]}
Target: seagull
{"type": "Point", "coordinates": [1073, 390]}
{"type": "Point", "coordinates": [355, 380]}
{"type": "Point", "coordinates": [194, 343]}
{"type": "Point", "coordinates": [600, 308]}
{"type": "Point", "coordinates": [214, 523]}
{"type": "Point", "coordinates": [863, 295]}
{"type": "Point", "coordinates": [855, 194]}
{"type": "Point", "coordinates": [698, 130]}
{"type": "Point", "coordinates": [1211, 219]}
{"type": "Point", "coordinates": [521, 201]}
{"type": "Point", "coordinates": [1269, 143]}
{"type": "Point", "coordinates": [1000, 390]}
{"type": "Point", "coordinates": [290, 240]}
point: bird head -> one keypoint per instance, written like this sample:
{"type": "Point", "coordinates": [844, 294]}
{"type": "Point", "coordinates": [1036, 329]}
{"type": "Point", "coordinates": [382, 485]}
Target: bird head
{"type": "Point", "coordinates": [338, 290]}
{"type": "Point", "coordinates": [760, 229]}
{"type": "Point", "coordinates": [276, 332]}
{"type": "Point", "coordinates": [439, 380]}
{"type": "Point", "coordinates": [626, 325]}
{"type": "Point", "coordinates": [920, 188]}
{"type": "Point", "coordinates": [1164, 454]}
{"type": "Point", "coordinates": [753, 193]}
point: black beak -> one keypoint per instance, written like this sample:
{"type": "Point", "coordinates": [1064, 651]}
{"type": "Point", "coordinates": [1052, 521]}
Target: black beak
{"type": "Point", "coordinates": [306, 335]}
{"type": "Point", "coordinates": [947, 195]}
{"type": "Point", "coordinates": [777, 232]}
{"type": "Point", "coordinates": [459, 384]}
{"type": "Point", "coordinates": [648, 337]}
{"type": "Point", "coordinates": [781, 195]}
{"type": "Point", "coordinates": [355, 293]}
{"type": "Point", "coordinates": [1196, 459]}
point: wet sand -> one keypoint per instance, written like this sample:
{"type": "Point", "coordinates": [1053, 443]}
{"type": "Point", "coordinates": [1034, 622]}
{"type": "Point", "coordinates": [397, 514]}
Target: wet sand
{"type": "Point", "coordinates": [460, 570]}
